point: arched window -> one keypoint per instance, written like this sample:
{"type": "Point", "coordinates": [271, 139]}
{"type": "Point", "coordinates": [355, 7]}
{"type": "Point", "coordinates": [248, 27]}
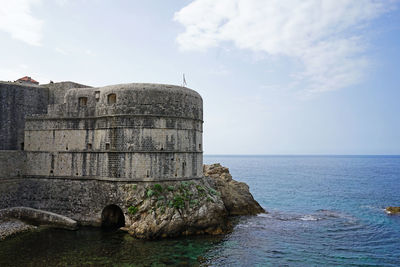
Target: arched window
{"type": "Point", "coordinates": [112, 99]}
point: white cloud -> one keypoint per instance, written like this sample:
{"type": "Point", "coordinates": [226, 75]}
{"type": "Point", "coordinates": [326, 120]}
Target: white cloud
{"type": "Point", "coordinates": [17, 20]}
{"type": "Point", "coordinates": [61, 51]}
{"type": "Point", "coordinates": [89, 52]}
{"type": "Point", "coordinates": [325, 36]}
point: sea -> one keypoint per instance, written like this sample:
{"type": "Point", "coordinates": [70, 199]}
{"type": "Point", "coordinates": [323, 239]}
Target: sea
{"type": "Point", "coordinates": [322, 211]}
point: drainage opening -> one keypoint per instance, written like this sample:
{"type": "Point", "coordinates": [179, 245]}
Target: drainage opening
{"type": "Point", "coordinates": [112, 217]}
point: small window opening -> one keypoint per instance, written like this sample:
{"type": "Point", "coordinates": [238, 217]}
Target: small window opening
{"type": "Point", "coordinates": [162, 147]}
{"type": "Point", "coordinates": [147, 173]}
{"type": "Point", "coordinates": [97, 95]}
{"type": "Point", "coordinates": [76, 174]}
{"type": "Point", "coordinates": [89, 146]}
{"type": "Point", "coordinates": [66, 148]}
{"type": "Point", "coordinates": [22, 146]}
{"type": "Point", "coordinates": [82, 101]}
{"type": "Point", "coordinates": [112, 99]}
{"type": "Point", "coordinates": [51, 171]}
{"type": "Point", "coordinates": [107, 146]}
{"type": "Point", "coordinates": [199, 146]}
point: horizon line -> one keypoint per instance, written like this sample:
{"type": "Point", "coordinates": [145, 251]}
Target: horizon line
{"type": "Point", "coordinates": [301, 154]}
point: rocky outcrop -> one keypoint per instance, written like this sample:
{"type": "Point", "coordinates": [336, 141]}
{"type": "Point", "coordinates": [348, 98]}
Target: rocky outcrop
{"type": "Point", "coordinates": [176, 208]}
{"type": "Point", "coordinates": [235, 195]}
{"type": "Point", "coordinates": [9, 227]}
{"type": "Point", "coordinates": [190, 207]}
{"type": "Point", "coordinates": [39, 217]}
{"type": "Point", "coordinates": [392, 210]}
{"type": "Point", "coordinates": [20, 219]}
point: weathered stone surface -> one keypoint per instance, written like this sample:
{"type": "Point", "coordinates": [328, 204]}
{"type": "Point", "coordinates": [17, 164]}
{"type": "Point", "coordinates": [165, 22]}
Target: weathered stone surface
{"type": "Point", "coordinates": [177, 208]}
{"type": "Point", "coordinates": [9, 227]}
{"type": "Point", "coordinates": [235, 195]}
{"type": "Point", "coordinates": [392, 210]}
{"type": "Point", "coordinates": [39, 217]}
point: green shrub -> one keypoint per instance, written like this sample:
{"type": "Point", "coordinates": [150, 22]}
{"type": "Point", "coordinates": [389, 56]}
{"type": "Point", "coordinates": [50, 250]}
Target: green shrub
{"type": "Point", "coordinates": [134, 186]}
{"type": "Point", "coordinates": [133, 210]}
{"type": "Point", "coordinates": [171, 188]}
{"type": "Point", "coordinates": [150, 193]}
{"type": "Point", "coordinates": [200, 188]}
{"type": "Point", "coordinates": [178, 202]}
{"type": "Point", "coordinates": [193, 202]}
{"type": "Point", "coordinates": [158, 188]}
{"type": "Point", "coordinates": [184, 184]}
{"type": "Point", "coordinates": [212, 191]}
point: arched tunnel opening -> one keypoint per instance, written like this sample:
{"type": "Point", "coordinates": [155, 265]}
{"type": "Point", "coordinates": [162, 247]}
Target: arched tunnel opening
{"type": "Point", "coordinates": [112, 217]}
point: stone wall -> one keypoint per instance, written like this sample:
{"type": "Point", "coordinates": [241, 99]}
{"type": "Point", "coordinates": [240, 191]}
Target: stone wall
{"type": "Point", "coordinates": [81, 200]}
{"type": "Point", "coordinates": [150, 132]}
{"type": "Point", "coordinates": [16, 102]}
{"type": "Point", "coordinates": [12, 163]}
{"type": "Point", "coordinates": [58, 90]}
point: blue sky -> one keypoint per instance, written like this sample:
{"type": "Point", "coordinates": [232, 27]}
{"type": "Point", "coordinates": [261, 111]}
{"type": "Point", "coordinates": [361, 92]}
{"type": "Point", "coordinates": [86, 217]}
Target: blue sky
{"type": "Point", "coordinates": [276, 77]}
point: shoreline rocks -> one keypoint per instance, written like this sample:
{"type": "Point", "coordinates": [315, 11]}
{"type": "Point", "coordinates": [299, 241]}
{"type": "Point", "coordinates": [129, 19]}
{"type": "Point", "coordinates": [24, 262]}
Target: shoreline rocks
{"type": "Point", "coordinates": [236, 195]}
{"type": "Point", "coordinates": [194, 207]}
{"type": "Point", "coordinates": [172, 209]}
{"type": "Point", "coordinates": [20, 219]}
{"type": "Point", "coordinates": [158, 210]}
{"type": "Point", "coordinates": [10, 227]}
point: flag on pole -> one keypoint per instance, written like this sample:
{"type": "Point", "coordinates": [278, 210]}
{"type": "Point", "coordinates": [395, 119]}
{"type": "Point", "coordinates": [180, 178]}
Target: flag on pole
{"type": "Point", "coordinates": [184, 81]}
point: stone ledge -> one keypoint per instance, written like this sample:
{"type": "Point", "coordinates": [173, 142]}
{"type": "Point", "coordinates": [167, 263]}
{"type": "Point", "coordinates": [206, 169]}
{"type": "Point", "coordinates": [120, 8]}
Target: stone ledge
{"type": "Point", "coordinates": [39, 217]}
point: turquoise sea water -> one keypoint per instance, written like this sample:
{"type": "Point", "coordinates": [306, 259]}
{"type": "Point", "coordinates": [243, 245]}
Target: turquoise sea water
{"type": "Point", "coordinates": [323, 211]}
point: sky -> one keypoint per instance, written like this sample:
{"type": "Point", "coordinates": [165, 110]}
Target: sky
{"type": "Point", "coordinates": [276, 76]}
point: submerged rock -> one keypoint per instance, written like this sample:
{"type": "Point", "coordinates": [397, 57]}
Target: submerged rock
{"type": "Point", "coordinates": [392, 210]}
{"type": "Point", "coordinates": [235, 195]}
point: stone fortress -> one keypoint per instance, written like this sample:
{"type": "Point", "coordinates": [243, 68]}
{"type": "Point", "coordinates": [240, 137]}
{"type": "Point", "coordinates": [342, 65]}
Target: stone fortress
{"type": "Point", "coordinates": [74, 149]}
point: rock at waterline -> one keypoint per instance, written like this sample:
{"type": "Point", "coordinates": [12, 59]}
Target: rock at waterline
{"type": "Point", "coordinates": [392, 210]}
{"type": "Point", "coordinates": [235, 195]}
{"type": "Point", "coordinates": [168, 209]}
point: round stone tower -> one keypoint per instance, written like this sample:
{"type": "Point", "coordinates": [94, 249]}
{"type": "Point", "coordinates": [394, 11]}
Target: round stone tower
{"type": "Point", "coordinates": [140, 132]}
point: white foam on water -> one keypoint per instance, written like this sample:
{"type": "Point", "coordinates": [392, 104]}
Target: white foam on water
{"type": "Point", "coordinates": [308, 218]}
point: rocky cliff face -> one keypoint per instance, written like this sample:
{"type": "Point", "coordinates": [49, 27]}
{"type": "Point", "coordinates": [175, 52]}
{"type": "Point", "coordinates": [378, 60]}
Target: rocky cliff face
{"type": "Point", "coordinates": [235, 195]}
{"type": "Point", "coordinates": [193, 207]}
{"type": "Point", "coordinates": [177, 208]}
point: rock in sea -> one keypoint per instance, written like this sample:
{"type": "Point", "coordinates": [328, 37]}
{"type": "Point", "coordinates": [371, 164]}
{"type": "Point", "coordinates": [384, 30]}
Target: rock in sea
{"type": "Point", "coordinates": [392, 210]}
{"type": "Point", "coordinates": [236, 195]}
